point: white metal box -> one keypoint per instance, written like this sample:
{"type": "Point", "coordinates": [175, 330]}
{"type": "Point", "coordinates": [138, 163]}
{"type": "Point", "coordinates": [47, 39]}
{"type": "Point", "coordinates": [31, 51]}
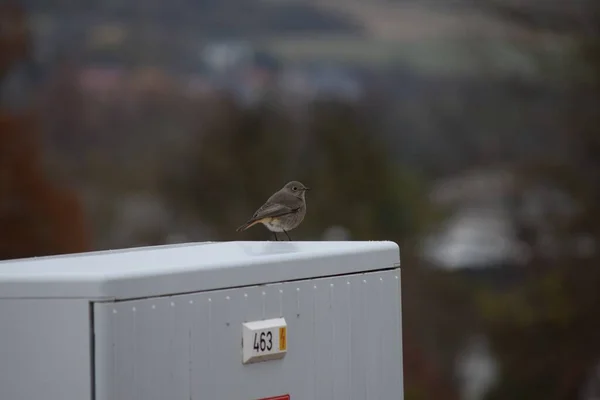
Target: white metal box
{"type": "Point", "coordinates": [204, 321]}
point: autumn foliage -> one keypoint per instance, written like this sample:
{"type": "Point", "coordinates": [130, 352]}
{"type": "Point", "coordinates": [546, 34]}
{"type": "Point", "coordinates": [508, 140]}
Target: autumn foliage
{"type": "Point", "coordinates": [36, 216]}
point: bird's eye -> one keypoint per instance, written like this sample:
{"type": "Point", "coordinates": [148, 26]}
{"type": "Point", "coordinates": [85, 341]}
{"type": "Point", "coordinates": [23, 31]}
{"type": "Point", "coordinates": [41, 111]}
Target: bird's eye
{"type": "Point", "coordinates": [294, 188]}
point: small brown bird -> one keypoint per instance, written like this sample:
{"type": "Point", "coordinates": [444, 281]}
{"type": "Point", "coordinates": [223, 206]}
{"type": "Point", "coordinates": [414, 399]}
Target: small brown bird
{"type": "Point", "coordinates": [283, 211]}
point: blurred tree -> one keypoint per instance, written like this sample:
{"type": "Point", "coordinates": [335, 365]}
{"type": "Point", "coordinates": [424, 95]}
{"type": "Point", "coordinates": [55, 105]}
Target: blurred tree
{"type": "Point", "coordinates": [240, 157]}
{"type": "Point", "coordinates": [36, 217]}
{"type": "Point", "coordinates": [359, 187]}
{"type": "Point", "coordinates": [424, 379]}
{"type": "Point", "coordinates": [14, 37]}
{"type": "Point", "coordinates": [545, 332]}
{"type": "Point", "coordinates": [244, 155]}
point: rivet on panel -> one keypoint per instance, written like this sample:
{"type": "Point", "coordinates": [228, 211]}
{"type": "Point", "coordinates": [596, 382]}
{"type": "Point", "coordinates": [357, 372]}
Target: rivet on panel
{"type": "Point", "coordinates": [314, 287]}
{"type": "Point", "coordinates": [191, 301]}
{"type": "Point", "coordinates": [209, 300]}
{"type": "Point", "coordinates": [246, 295]}
{"type": "Point", "coordinates": [153, 306]}
{"type": "Point", "coordinates": [396, 276]}
{"type": "Point", "coordinates": [347, 283]}
{"type": "Point", "coordinates": [297, 289]}
{"type": "Point", "coordinates": [133, 309]}
{"type": "Point", "coordinates": [264, 294]}
{"type": "Point", "coordinates": [226, 297]}
{"type": "Point", "coordinates": [172, 304]}
{"type": "Point", "coordinates": [280, 290]}
{"type": "Point", "coordinates": [364, 281]}
{"type": "Point", "coordinates": [331, 285]}
{"type": "Point", "coordinates": [381, 279]}
{"type": "Point", "coordinates": [114, 311]}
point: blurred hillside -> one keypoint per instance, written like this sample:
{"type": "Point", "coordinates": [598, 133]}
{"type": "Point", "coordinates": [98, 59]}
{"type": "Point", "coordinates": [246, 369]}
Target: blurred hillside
{"type": "Point", "coordinates": [429, 35]}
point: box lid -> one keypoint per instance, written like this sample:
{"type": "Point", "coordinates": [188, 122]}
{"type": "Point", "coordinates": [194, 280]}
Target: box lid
{"type": "Point", "coordinates": [191, 267]}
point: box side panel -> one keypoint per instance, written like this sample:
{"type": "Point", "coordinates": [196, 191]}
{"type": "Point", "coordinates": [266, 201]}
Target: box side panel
{"type": "Point", "coordinates": [399, 351]}
{"type": "Point", "coordinates": [45, 349]}
{"type": "Point", "coordinates": [344, 342]}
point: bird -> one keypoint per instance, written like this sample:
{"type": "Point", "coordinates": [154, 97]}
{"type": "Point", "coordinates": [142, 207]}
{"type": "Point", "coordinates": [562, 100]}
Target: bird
{"type": "Point", "coordinates": [283, 211]}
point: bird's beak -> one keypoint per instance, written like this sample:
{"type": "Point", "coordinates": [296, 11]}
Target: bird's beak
{"type": "Point", "coordinates": [306, 188]}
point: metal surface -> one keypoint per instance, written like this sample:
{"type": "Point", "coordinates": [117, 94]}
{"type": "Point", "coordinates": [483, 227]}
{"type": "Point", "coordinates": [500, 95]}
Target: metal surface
{"type": "Point", "coordinates": [166, 322]}
{"type": "Point", "coordinates": [165, 270]}
{"type": "Point", "coordinates": [344, 341]}
{"type": "Point", "coordinates": [45, 350]}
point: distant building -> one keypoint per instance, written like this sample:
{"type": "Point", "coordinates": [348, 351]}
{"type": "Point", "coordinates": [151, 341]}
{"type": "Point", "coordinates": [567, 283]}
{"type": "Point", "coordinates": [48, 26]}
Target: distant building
{"type": "Point", "coordinates": [591, 388]}
{"type": "Point", "coordinates": [487, 210]}
{"type": "Point", "coordinates": [224, 56]}
{"type": "Point", "coordinates": [479, 231]}
{"type": "Point", "coordinates": [336, 233]}
{"type": "Point", "coordinates": [321, 81]}
{"type": "Point", "coordinates": [476, 368]}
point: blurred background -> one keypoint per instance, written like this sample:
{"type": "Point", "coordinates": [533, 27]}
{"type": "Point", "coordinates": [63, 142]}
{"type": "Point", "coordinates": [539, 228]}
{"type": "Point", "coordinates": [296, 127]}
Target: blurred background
{"type": "Point", "coordinates": [466, 131]}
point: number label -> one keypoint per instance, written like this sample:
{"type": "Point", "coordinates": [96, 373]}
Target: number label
{"type": "Point", "coordinates": [264, 340]}
{"type": "Point", "coordinates": [264, 343]}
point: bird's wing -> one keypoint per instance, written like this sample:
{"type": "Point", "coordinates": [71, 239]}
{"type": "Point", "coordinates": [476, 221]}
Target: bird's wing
{"type": "Point", "coordinates": [272, 210]}
{"type": "Point", "coordinates": [277, 205]}
{"type": "Point", "coordinates": [268, 210]}
{"type": "Point", "coordinates": [280, 203]}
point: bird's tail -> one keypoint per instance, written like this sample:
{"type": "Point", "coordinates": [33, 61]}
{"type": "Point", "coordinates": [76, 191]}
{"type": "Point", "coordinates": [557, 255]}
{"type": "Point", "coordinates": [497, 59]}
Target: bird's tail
{"type": "Point", "coordinates": [247, 225]}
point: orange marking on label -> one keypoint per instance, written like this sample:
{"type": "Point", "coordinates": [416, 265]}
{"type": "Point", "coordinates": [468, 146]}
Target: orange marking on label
{"type": "Point", "coordinates": [282, 339]}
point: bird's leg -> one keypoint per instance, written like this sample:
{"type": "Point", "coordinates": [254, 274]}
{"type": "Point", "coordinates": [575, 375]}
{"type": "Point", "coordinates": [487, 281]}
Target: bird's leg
{"type": "Point", "coordinates": [286, 234]}
{"type": "Point", "coordinates": [275, 234]}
